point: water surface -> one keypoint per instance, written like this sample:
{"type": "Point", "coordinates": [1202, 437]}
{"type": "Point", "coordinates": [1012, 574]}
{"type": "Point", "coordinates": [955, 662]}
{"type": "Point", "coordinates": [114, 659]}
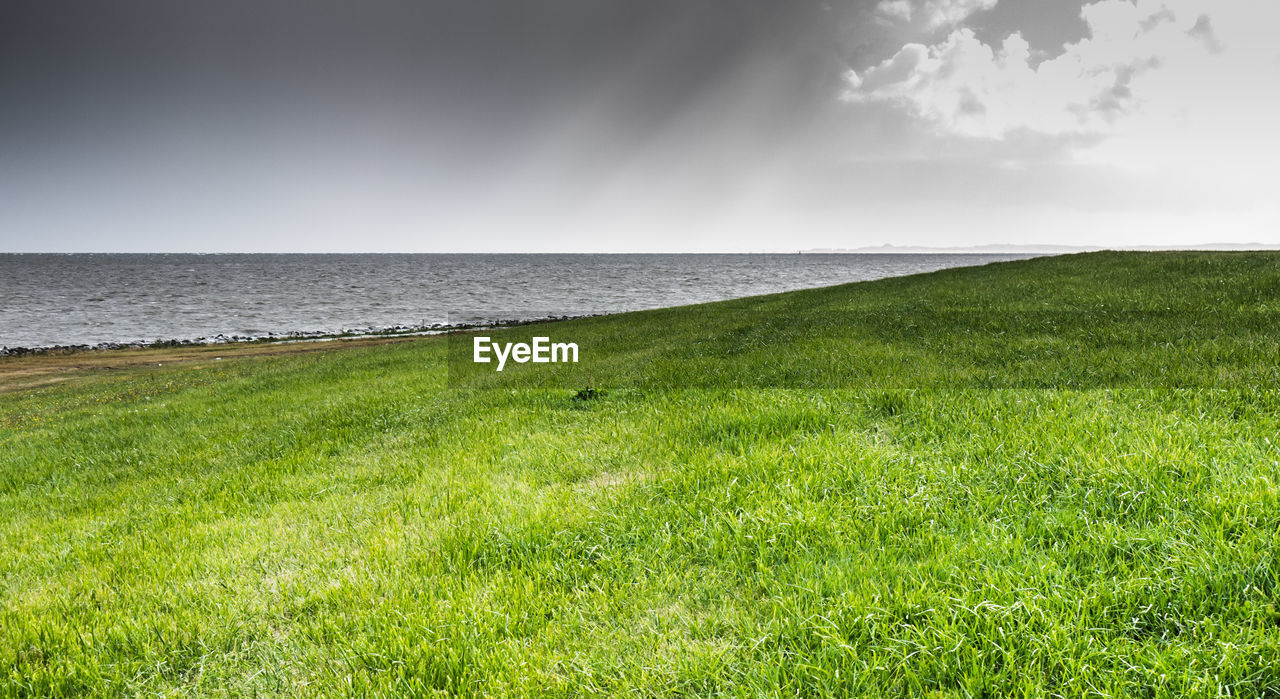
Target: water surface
{"type": "Point", "coordinates": [59, 299]}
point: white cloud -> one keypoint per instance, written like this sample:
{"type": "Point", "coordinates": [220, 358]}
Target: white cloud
{"type": "Point", "coordinates": [1185, 92]}
{"type": "Point", "coordinates": [931, 13]}
{"type": "Point", "coordinates": [896, 10]}
{"type": "Point", "coordinates": [970, 88]}
{"type": "Point", "coordinates": [939, 13]}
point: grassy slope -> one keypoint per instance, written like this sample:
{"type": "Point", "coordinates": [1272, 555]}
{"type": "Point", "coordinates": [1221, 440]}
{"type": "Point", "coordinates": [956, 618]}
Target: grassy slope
{"type": "Point", "coordinates": [341, 521]}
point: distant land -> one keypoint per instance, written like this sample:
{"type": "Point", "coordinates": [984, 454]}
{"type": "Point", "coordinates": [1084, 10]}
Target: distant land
{"type": "Point", "coordinates": [1004, 249]}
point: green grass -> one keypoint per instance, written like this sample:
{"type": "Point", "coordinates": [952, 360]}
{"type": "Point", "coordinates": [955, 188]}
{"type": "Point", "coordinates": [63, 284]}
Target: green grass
{"type": "Point", "coordinates": [1050, 477]}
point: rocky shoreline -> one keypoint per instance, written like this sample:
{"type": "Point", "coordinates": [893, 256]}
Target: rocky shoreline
{"type": "Point", "coordinates": [293, 336]}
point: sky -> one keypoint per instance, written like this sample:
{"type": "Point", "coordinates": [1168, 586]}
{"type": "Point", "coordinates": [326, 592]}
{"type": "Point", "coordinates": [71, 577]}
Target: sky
{"type": "Point", "coordinates": [625, 126]}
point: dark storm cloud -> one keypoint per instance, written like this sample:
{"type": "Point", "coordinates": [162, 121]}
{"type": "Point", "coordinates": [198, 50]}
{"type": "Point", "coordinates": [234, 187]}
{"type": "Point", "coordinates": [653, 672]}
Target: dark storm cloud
{"type": "Point", "coordinates": [135, 101]}
{"type": "Point", "coordinates": [483, 65]}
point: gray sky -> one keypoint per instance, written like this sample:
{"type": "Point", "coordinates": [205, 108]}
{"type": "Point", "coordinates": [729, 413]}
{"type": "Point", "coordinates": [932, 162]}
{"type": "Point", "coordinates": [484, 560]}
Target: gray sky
{"type": "Point", "coordinates": [616, 125]}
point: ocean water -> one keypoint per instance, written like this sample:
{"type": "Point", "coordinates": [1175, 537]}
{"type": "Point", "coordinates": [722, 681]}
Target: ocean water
{"type": "Point", "coordinates": [55, 299]}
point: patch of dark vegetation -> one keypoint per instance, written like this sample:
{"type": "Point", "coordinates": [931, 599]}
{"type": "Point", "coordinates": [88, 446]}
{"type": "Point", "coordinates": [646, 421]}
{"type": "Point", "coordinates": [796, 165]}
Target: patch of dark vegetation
{"type": "Point", "coordinates": [586, 396]}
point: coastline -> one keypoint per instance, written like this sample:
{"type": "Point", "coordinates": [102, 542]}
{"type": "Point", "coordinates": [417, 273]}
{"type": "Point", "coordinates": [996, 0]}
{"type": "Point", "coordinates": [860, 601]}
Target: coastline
{"type": "Point", "coordinates": [300, 336]}
{"type": "Point", "coordinates": [25, 368]}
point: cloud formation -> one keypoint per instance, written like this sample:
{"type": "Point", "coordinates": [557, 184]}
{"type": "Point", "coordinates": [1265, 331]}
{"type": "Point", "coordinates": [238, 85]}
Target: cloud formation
{"type": "Point", "coordinates": [1203, 31]}
{"type": "Point", "coordinates": [932, 14]}
{"type": "Point", "coordinates": [1173, 96]}
{"type": "Point", "coordinates": [969, 88]}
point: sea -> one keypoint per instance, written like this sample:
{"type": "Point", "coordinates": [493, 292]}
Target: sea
{"type": "Point", "coordinates": [87, 299]}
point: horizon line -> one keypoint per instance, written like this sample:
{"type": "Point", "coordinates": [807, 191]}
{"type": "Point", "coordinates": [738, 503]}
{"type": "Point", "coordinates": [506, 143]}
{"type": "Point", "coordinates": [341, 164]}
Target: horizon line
{"type": "Point", "coordinates": [987, 248]}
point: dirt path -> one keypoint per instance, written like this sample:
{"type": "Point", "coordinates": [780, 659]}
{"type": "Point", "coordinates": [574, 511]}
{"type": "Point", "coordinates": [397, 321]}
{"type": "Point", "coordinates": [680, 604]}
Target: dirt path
{"type": "Point", "coordinates": [37, 370]}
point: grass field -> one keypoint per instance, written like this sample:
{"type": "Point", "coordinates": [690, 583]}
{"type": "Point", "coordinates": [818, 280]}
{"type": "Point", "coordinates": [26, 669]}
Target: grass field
{"type": "Point", "coordinates": [1054, 477]}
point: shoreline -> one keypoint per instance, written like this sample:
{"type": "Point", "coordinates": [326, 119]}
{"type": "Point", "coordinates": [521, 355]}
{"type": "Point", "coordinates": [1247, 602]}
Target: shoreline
{"type": "Point", "coordinates": [297, 336]}
{"type": "Point", "coordinates": [24, 369]}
